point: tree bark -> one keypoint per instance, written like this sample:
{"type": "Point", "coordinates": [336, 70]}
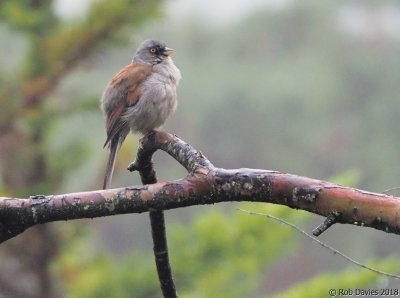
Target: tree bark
{"type": "Point", "coordinates": [204, 184]}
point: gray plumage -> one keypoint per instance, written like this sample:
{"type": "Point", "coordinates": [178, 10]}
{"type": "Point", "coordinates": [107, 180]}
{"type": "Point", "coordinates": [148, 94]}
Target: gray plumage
{"type": "Point", "coordinates": [140, 97]}
{"type": "Point", "coordinates": [158, 100]}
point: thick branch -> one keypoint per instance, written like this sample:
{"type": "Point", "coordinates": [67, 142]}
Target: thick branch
{"type": "Point", "coordinates": [204, 185]}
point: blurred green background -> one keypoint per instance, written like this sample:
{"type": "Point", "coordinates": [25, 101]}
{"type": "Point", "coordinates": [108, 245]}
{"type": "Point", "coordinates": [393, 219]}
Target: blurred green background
{"type": "Point", "coordinates": [307, 87]}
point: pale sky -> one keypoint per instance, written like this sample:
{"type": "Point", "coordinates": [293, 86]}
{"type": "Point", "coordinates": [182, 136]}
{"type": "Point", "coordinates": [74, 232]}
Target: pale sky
{"type": "Point", "coordinates": [353, 19]}
{"type": "Point", "coordinates": [222, 11]}
{"type": "Point", "coordinates": [218, 12]}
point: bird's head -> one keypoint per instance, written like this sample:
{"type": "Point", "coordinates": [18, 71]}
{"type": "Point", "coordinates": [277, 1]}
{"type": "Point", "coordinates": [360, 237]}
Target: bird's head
{"type": "Point", "coordinates": [152, 51]}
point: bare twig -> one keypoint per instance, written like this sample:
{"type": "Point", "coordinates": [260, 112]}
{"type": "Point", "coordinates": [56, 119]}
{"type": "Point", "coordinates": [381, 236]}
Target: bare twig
{"type": "Point", "coordinates": [390, 189]}
{"type": "Point", "coordinates": [334, 250]}
{"type": "Point", "coordinates": [328, 222]}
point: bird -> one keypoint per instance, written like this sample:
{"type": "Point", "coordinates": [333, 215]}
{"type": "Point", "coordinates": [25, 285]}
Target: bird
{"type": "Point", "coordinates": [139, 98]}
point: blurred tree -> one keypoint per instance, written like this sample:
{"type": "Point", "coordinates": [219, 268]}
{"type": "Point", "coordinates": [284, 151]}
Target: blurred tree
{"type": "Point", "coordinates": [53, 48]}
{"type": "Point", "coordinates": [214, 255]}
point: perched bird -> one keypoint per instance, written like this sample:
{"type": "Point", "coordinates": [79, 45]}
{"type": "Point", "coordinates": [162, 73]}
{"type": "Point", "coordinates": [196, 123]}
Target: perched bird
{"type": "Point", "coordinates": [140, 97]}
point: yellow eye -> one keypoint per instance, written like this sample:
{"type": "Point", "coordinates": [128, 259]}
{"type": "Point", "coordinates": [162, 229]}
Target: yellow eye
{"type": "Point", "coordinates": [152, 50]}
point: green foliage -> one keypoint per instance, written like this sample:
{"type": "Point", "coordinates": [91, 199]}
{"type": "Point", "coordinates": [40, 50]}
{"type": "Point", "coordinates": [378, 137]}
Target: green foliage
{"type": "Point", "coordinates": [215, 255]}
{"type": "Point", "coordinates": [225, 255]}
{"type": "Point", "coordinates": [87, 273]}
{"type": "Point", "coordinates": [348, 279]}
{"type": "Point", "coordinates": [101, 276]}
{"type": "Point", "coordinates": [104, 24]}
{"type": "Point", "coordinates": [27, 16]}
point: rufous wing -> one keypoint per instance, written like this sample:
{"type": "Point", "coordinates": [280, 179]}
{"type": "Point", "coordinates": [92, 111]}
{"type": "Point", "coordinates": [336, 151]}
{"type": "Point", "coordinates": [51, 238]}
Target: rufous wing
{"type": "Point", "coordinates": [123, 91]}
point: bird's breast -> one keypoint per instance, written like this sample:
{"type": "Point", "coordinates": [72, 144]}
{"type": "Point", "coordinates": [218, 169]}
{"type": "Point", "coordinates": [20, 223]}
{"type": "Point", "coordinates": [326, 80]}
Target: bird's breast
{"type": "Point", "coordinates": [158, 100]}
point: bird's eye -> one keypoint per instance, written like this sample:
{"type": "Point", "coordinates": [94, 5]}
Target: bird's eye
{"type": "Point", "coordinates": [152, 50]}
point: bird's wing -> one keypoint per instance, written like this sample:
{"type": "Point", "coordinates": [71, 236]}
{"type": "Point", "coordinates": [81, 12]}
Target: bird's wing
{"type": "Point", "coordinates": [123, 91]}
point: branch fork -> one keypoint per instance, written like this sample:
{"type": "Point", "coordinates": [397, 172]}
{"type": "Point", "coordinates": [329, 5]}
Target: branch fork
{"type": "Point", "coordinates": [204, 184]}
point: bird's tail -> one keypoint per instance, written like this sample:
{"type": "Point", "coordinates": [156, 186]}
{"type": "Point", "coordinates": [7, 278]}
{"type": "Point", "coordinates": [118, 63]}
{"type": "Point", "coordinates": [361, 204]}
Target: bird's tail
{"type": "Point", "coordinates": [114, 145]}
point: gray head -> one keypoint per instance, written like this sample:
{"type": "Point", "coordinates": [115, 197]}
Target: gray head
{"type": "Point", "coordinates": [152, 51]}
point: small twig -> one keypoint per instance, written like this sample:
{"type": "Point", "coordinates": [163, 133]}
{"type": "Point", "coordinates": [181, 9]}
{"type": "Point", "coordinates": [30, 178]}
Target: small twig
{"type": "Point", "coordinates": [328, 222]}
{"type": "Point", "coordinates": [391, 189]}
{"type": "Point", "coordinates": [334, 250]}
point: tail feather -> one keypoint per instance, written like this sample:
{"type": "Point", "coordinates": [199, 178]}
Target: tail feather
{"type": "Point", "coordinates": [114, 145]}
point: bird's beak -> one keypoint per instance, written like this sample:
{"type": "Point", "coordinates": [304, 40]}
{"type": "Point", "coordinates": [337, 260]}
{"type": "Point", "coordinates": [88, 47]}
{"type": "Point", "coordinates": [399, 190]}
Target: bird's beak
{"type": "Point", "coordinates": [167, 51]}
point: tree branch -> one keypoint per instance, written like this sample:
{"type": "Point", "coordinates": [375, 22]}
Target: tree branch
{"type": "Point", "coordinates": [204, 184]}
{"type": "Point", "coordinates": [144, 165]}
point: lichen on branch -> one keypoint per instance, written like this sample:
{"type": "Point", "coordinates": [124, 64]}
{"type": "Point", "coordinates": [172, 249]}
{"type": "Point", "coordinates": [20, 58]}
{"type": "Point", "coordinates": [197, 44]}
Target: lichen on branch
{"type": "Point", "coordinates": [204, 184]}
